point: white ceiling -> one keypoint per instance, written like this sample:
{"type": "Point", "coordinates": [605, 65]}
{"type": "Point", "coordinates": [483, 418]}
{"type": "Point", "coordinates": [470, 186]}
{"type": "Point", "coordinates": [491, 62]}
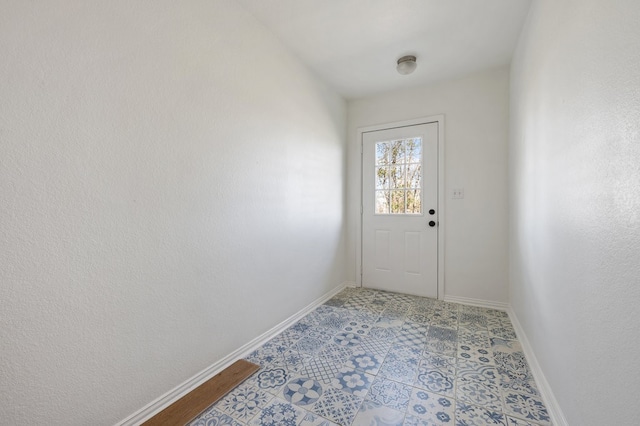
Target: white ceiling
{"type": "Point", "coordinates": [353, 44]}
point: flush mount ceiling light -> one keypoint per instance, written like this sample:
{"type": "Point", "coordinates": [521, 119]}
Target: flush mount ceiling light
{"type": "Point", "coordinates": [407, 65]}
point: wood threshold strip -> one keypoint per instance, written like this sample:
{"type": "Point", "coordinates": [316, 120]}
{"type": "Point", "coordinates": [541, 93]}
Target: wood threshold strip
{"type": "Point", "coordinates": [195, 402]}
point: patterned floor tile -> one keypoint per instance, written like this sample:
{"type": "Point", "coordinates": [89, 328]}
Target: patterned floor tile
{"type": "Point", "coordinates": [337, 354]}
{"type": "Point", "coordinates": [477, 372]}
{"type": "Point", "coordinates": [442, 347]}
{"type": "Point", "coordinates": [333, 321]}
{"type": "Point", "coordinates": [413, 337]}
{"type": "Point", "coordinates": [243, 402]}
{"type": "Point", "coordinates": [442, 333]}
{"type": "Point", "coordinates": [469, 415]}
{"type": "Point", "coordinates": [474, 353]}
{"type": "Point", "coordinates": [294, 360]}
{"type": "Point", "coordinates": [335, 302]}
{"type": "Point", "coordinates": [398, 370]}
{"type": "Point", "coordinates": [436, 381]}
{"type": "Point", "coordinates": [505, 346]}
{"type": "Point", "coordinates": [308, 345]}
{"type": "Point", "coordinates": [503, 332]}
{"type": "Point", "coordinates": [271, 378]}
{"type": "Point", "coordinates": [321, 369]}
{"type": "Point", "coordinates": [515, 361]}
{"type": "Point", "coordinates": [383, 333]}
{"type": "Point", "coordinates": [389, 322]}
{"type": "Point", "coordinates": [214, 417]}
{"type": "Point", "coordinates": [264, 356]}
{"type": "Point", "coordinates": [520, 382]}
{"type": "Point", "coordinates": [474, 338]}
{"type": "Point", "coordinates": [320, 333]}
{"type": "Point", "coordinates": [376, 346]}
{"type": "Point", "coordinates": [432, 408]}
{"type": "Point", "coordinates": [435, 361]}
{"type": "Point", "coordinates": [374, 414]}
{"type": "Point", "coordinates": [390, 394]}
{"type": "Point", "coordinates": [482, 394]}
{"type": "Point", "coordinates": [337, 406]}
{"type": "Point", "coordinates": [472, 317]}
{"type": "Point", "coordinates": [357, 327]}
{"type": "Point", "coordinates": [419, 318]}
{"type": "Point", "coordinates": [352, 381]}
{"type": "Point", "coordinates": [526, 407]}
{"type": "Point", "coordinates": [347, 339]}
{"type": "Point", "coordinates": [311, 419]}
{"type": "Point", "coordinates": [512, 421]}
{"type": "Point", "coordinates": [365, 361]}
{"type": "Point", "coordinates": [302, 391]}
{"type": "Point", "coordinates": [279, 413]}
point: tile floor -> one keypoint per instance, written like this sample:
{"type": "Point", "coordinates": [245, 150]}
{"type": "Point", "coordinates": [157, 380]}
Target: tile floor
{"type": "Point", "coordinates": [368, 357]}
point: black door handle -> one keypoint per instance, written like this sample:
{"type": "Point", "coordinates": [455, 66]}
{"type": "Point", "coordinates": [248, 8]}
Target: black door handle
{"type": "Point", "coordinates": [432, 224]}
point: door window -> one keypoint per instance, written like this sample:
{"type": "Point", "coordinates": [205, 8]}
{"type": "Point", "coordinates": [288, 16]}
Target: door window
{"type": "Point", "coordinates": [398, 177]}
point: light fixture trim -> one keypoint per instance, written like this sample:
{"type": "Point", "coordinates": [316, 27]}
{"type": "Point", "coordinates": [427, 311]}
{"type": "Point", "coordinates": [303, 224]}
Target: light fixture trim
{"type": "Point", "coordinates": [407, 64]}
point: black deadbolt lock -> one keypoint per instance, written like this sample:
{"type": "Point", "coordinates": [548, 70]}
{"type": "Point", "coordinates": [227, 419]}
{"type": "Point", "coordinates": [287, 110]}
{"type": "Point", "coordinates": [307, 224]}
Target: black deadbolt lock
{"type": "Point", "coordinates": [432, 211]}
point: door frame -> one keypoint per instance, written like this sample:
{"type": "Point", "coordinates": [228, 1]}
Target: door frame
{"type": "Point", "coordinates": [439, 119]}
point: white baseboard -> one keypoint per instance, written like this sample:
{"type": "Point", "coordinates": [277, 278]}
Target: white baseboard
{"type": "Point", "coordinates": [179, 391]}
{"type": "Point", "coordinates": [351, 284]}
{"type": "Point", "coordinates": [500, 306]}
{"type": "Point", "coordinates": [555, 412]}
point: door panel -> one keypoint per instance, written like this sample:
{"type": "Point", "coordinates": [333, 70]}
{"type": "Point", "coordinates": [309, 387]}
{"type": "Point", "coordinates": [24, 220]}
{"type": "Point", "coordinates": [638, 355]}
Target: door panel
{"type": "Point", "coordinates": [400, 186]}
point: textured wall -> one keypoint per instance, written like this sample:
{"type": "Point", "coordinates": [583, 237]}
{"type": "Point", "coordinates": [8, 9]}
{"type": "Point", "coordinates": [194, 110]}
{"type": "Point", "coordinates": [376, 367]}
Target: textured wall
{"type": "Point", "coordinates": [171, 186]}
{"type": "Point", "coordinates": [476, 130]}
{"type": "Point", "coordinates": [575, 203]}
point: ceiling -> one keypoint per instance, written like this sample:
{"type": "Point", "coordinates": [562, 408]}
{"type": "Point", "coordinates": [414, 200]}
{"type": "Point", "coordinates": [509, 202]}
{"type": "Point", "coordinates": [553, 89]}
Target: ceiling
{"type": "Point", "coordinates": [353, 45]}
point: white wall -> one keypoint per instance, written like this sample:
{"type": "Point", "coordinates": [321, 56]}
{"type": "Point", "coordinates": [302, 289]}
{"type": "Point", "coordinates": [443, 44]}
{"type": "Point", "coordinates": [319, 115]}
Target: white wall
{"type": "Point", "coordinates": [575, 203]}
{"type": "Point", "coordinates": [476, 131]}
{"type": "Point", "coordinates": [171, 186]}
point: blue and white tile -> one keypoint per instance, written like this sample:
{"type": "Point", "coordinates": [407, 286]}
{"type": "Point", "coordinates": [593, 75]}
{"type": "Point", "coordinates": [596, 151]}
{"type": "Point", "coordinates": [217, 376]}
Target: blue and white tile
{"type": "Point", "coordinates": [390, 393]}
{"type": "Point", "coordinates": [321, 369]}
{"type": "Point", "coordinates": [372, 413]}
{"type": "Point", "coordinates": [515, 361]}
{"type": "Point", "coordinates": [526, 407]}
{"type": "Point", "coordinates": [309, 345]}
{"type": "Point", "coordinates": [337, 406]}
{"type": "Point", "coordinates": [334, 321]}
{"type": "Point", "coordinates": [352, 381]}
{"type": "Point", "coordinates": [397, 314]}
{"type": "Point", "coordinates": [214, 417]}
{"type": "Point", "coordinates": [389, 322]}
{"type": "Point", "coordinates": [311, 419]}
{"type": "Point", "coordinates": [302, 391]}
{"type": "Point", "coordinates": [279, 413]}
{"type": "Point", "coordinates": [339, 354]}
{"type": "Point", "coordinates": [357, 327]}
{"type": "Point", "coordinates": [376, 346]}
{"type": "Point", "coordinates": [474, 338]}
{"type": "Point", "coordinates": [301, 326]}
{"type": "Point", "coordinates": [264, 356]}
{"type": "Point", "coordinates": [292, 335]}
{"type": "Point", "coordinates": [365, 361]}
{"type": "Point", "coordinates": [482, 394]}
{"type": "Point", "coordinates": [294, 360]}
{"type": "Point", "coordinates": [443, 334]}
{"type": "Point", "coordinates": [320, 333]}
{"type": "Point", "coordinates": [418, 318]}
{"type": "Point", "coordinates": [408, 354]}
{"type": "Point", "coordinates": [477, 372]}
{"type": "Point", "coordinates": [436, 381]}
{"type": "Point", "coordinates": [476, 354]}
{"type": "Point", "coordinates": [432, 408]}
{"type": "Point", "coordinates": [443, 347]}
{"type": "Point", "coordinates": [270, 379]}
{"type": "Point", "coordinates": [503, 332]}
{"type": "Point", "coordinates": [512, 421]}
{"type": "Point", "coordinates": [468, 316]}
{"type": "Point", "coordinates": [398, 370]}
{"type": "Point", "coordinates": [243, 402]}
{"type": "Point", "coordinates": [335, 302]}
{"type": "Point", "coordinates": [435, 361]}
{"type": "Point", "coordinates": [520, 382]}
{"type": "Point", "coordinates": [505, 346]}
{"type": "Point", "coordinates": [471, 415]}
{"type": "Point", "coordinates": [364, 317]}
{"type": "Point", "coordinates": [384, 333]}
{"type": "Point", "coordinates": [412, 336]}
{"type": "Point", "coordinates": [347, 339]}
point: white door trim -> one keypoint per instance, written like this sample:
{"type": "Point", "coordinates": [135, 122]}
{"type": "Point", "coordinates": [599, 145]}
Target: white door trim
{"type": "Point", "coordinates": [441, 193]}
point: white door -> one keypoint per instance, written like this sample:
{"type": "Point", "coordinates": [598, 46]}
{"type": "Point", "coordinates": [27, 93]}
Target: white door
{"type": "Point", "coordinates": [400, 209]}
